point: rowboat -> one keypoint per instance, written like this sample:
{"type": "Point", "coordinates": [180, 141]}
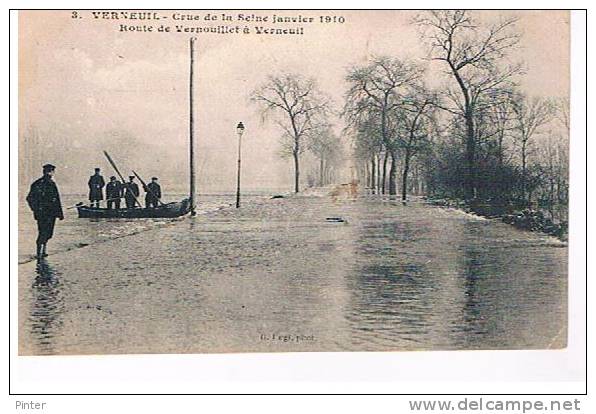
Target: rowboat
{"type": "Point", "coordinates": [168, 210]}
{"type": "Point", "coordinates": [163, 210]}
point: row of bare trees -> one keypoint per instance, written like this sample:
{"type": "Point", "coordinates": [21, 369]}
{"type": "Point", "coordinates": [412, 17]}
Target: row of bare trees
{"type": "Point", "coordinates": [474, 57]}
{"type": "Point", "coordinates": [476, 137]}
{"type": "Point", "coordinates": [391, 113]}
{"type": "Point", "coordinates": [514, 145]}
{"type": "Point", "coordinates": [327, 149]}
{"type": "Point", "coordinates": [521, 155]}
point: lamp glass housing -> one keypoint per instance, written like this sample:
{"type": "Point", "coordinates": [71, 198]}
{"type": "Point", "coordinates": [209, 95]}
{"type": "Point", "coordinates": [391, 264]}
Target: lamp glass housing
{"type": "Point", "coordinates": [240, 128]}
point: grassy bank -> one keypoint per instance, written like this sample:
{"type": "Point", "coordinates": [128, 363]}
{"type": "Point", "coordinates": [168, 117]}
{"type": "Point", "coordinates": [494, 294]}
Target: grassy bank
{"type": "Point", "coordinates": [522, 218]}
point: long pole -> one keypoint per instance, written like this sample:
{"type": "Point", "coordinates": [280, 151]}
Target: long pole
{"type": "Point", "coordinates": [113, 164]}
{"type": "Point", "coordinates": [146, 188]}
{"type": "Point", "coordinates": [191, 127]}
{"type": "Point", "coordinates": [238, 181]}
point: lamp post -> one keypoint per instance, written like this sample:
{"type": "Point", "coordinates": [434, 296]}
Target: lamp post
{"type": "Point", "coordinates": [239, 131]}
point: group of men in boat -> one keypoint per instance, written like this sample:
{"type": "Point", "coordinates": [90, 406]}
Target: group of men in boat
{"type": "Point", "coordinates": [44, 200]}
{"type": "Point", "coordinates": [115, 191]}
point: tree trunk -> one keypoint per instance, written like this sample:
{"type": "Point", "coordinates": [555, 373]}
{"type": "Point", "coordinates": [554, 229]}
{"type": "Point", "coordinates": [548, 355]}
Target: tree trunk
{"type": "Point", "coordinates": [296, 173]}
{"type": "Point", "coordinates": [373, 179]}
{"type": "Point", "coordinates": [551, 198]}
{"type": "Point", "coordinates": [384, 172]}
{"type": "Point", "coordinates": [419, 181]}
{"type": "Point", "coordinates": [523, 177]}
{"type": "Point", "coordinates": [559, 192]}
{"type": "Point", "coordinates": [500, 149]}
{"type": "Point", "coordinates": [393, 175]}
{"type": "Point", "coordinates": [384, 124]}
{"type": "Point", "coordinates": [321, 172]}
{"type": "Point", "coordinates": [379, 173]}
{"type": "Point", "coordinates": [470, 175]}
{"type": "Point", "coordinates": [404, 184]}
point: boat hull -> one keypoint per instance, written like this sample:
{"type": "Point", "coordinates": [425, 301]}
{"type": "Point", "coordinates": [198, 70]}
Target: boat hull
{"type": "Point", "coordinates": [169, 210]}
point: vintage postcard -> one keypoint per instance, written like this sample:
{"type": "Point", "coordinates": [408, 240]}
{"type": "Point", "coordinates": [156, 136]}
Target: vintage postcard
{"type": "Point", "coordinates": [213, 181]}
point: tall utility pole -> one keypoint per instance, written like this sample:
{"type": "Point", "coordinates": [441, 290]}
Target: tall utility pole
{"type": "Point", "coordinates": [239, 131]}
{"type": "Point", "coordinates": [191, 126]}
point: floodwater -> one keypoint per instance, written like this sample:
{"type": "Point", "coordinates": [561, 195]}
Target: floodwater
{"type": "Point", "coordinates": [73, 233]}
{"type": "Point", "coordinates": [277, 276]}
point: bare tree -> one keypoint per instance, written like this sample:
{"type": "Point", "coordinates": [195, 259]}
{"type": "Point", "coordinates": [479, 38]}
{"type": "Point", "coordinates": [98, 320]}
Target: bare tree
{"type": "Point", "coordinates": [500, 121]}
{"type": "Point", "coordinates": [297, 106]}
{"type": "Point", "coordinates": [367, 143]}
{"type": "Point", "coordinates": [530, 115]}
{"type": "Point", "coordinates": [376, 89]}
{"type": "Point", "coordinates": [474, 55]}
{"type": "Point", "coordinates": [418, 120]}
{"type": "Point", "coordinates": [552, 155]}
{"type": "Point", "coordinates": [326, 147]}
{"type": "Point", "coordinates": [562, 110]}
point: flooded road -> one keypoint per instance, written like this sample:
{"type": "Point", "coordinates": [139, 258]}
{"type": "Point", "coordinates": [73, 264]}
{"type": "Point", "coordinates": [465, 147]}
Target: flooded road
{"type": "Point", "coordinates": [73, 233]}
{"type": "Point", "coordinates": [277, 276]}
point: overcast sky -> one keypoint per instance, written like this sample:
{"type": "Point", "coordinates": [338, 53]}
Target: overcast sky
{"type": "Point", "coordinates": [83, 84]}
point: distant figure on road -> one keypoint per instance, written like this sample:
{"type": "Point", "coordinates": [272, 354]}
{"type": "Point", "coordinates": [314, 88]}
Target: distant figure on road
{"type": "Point", "coordinates": [350, 190]}
{"type": "Point", "coordinates": [153, 193]}
{"type": "Point", "coordinates": [44, 201]}
{"type": "Point", "coordinates": [96, 185]}
{"type": "Point", "coordinates": [131, 191]}
{"type": "Point", "coordinates": [113, 193]}
{"type": "Point", "coordinates": [354, 189]}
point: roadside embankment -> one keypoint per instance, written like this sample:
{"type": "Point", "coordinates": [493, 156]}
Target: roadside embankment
{"type": "Point", "coordinates": [521, 218]}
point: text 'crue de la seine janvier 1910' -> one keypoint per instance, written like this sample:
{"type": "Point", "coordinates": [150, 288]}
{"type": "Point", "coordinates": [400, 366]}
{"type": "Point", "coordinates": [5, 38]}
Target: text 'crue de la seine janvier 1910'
{"type": "Point", "coordinates": [208, 23]}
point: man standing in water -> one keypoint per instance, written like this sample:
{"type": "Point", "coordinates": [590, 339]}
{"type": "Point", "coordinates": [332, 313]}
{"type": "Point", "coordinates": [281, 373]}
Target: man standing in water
{"type": "Point", "coordinates": [96, 184]}
{"type": "Point", "coordinates": [44, 201]}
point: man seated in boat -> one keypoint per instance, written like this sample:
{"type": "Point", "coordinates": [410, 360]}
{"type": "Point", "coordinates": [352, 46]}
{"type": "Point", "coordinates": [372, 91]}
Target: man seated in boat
{"type": "Point", "coordinates": [153, 195]}
{"type": "Point", "coordinates": [131, 192]}
{"type": "Point", "coordinates": [113, 193]}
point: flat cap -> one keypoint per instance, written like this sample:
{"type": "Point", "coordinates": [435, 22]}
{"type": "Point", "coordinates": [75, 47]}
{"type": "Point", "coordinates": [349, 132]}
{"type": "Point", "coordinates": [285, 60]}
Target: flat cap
{"type": "Point", "coordinates": [49, 167]}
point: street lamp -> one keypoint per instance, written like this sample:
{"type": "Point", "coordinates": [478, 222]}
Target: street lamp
{"type": "Point", "coordinates": [239, 131]}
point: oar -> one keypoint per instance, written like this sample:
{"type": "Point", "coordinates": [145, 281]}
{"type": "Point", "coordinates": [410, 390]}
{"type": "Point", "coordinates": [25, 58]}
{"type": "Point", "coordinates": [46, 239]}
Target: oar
{"type": "Point", "coordinates": [120, 175]}
{"type": "Point", "coordinates": [80, 204]}
{"type": "Point", "coordinates": [147, 188]}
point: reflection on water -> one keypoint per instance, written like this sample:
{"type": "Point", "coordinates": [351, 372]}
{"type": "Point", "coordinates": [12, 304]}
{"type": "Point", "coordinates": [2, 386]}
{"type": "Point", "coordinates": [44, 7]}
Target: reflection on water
{"type": "Point", "coordinates": [391, 277]}
{"type": "Point", "coordinates": [46, 306]}
{"type": "Point", "coordinates": [424, 282]}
